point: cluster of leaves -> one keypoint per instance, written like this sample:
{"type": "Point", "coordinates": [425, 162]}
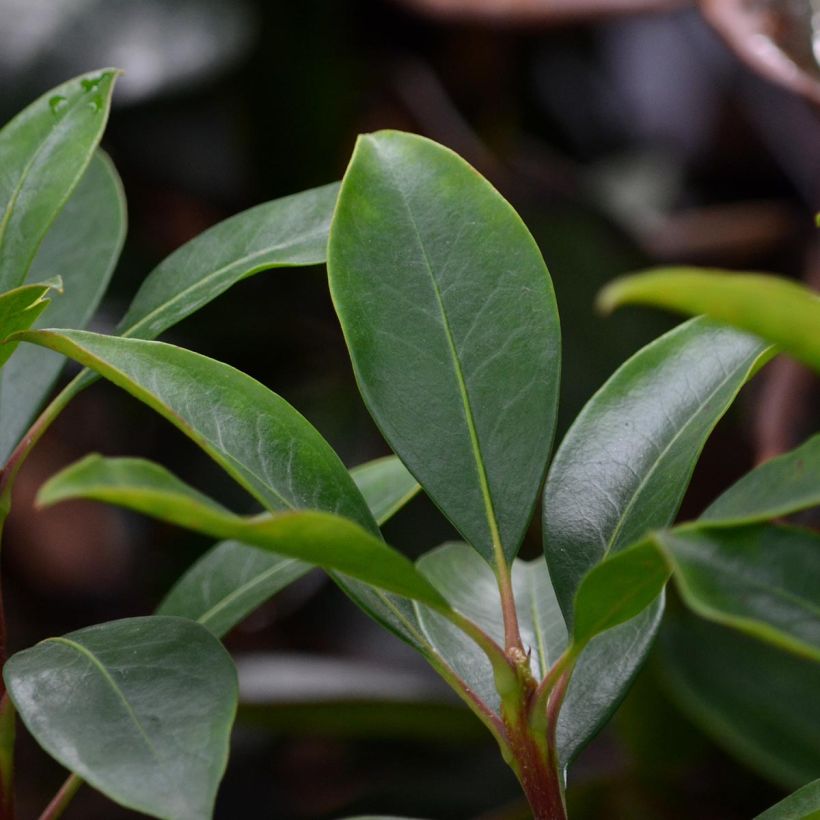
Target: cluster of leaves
{"type": "Point", "coordinates": [450, 318]}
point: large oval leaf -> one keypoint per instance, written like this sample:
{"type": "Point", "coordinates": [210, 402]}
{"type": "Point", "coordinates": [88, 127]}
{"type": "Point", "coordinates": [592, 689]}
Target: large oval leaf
{"type": "Point", "coordinates": [82, 247]}
{"type": "Point", "coordinates": [285, 232]}
{"type": "Point", "coordinates": [255, 435]}
{"type": "Point", "coordinates": [44, 152]}
{"type": "Point", "coordinates": [140, 708]}
{"type": "Point", "coordinates": [783, 312]}
{"type": "Point", "coordinates": [450, 317]}
{"type": "Point", "coordinates": [625, 463]}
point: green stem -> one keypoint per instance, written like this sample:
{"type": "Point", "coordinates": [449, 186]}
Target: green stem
{"type": "Point", "coordinates": [63, 797]}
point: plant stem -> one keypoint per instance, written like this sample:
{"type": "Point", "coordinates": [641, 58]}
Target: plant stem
{"type": "Point", "coordinates": [512, 634]}
{"type": "Point", "coordinates": [63, 797]}
{"type": "Point", "coordinates": [7, 727]}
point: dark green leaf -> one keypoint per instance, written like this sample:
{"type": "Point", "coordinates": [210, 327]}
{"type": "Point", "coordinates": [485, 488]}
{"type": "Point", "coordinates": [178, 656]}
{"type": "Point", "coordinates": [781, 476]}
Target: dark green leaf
{"type": "Point", "coordinates": [319, 538]}
{"type": "Point", "coordinates": [82, 246]}
{"type": "Point", "coordinates": [783, 312]}
{"type": "Point", "coordinates": [450, 317]}
{"type": "Point", "coordinates": [19, 309]}
{"type": "Point", "coordinates": [624, 465]}
{"type": "Point", "coordinates": [140, 708]}
{"type": "Point", "coordinates": [757, 702]}
{"type": "Point", "coordinates": [44, 152]}
{"type": "Point", "coordinates": [286, 232]}
{"type": "Point", "coordinates": [256, 436]}
{"type": "Point", "coordinates": [784, 485]}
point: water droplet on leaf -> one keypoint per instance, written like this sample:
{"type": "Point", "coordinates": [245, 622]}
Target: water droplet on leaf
{"type": "Point", "coordinates": [57, 103]}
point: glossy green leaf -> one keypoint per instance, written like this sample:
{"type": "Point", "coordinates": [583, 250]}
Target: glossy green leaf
{"type": "Point", "coordinates": [450, 318]}
{"type": "Point", "coordinates": [140, 708]}
{"type": "Point", "coordinates": [756, 701]}
{"type": "Point", "coordinates": [783, 485]}
{"type": "Point", "coordinates": [44, 152]}
{"type": "Point", "coordinates": [82, 247]}
{"type": "Point", "coordinates": [804, 804]}
{"type": "Point", "coordinates": [19, 309]}
{"type": "Point", "coordinates": [256, 436]}
{"type": "Point", "coordinates": [783, 312]}
{"type": "Point", "coordinates": [286, 232]}
{"type": "Point", "coordinates": [625, 463]}
{"type": "Point", "coordinates": [232, 579]}
{"type": "Point", "coordinates": [318, 538]}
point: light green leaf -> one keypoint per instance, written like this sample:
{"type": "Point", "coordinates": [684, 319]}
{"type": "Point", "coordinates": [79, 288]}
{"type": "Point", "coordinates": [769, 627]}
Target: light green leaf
{"type": "Point", "coordinates": [285, 232]}
{"type": "Point", "coordinates": [318, 538]}
{"type": "Point", "coordinates": [624, 465]}
{"type": "Point", "coordinates": [44, 152]}
{"type": "Point", "coordinates": [252, 433]}
{"type": "Point", "coordinates": [450, 318]}
{"type": "Point", "coordinates": [782, 312]}
{"type": "Point", "coordinates": [757, 702]}
{"type": "Point", "coordinates": [19, 309]}
{"type": "Point", "coordinates": [232, 579]}
{"type": "Point", "coordinates": [140, 708]}
{"type": "Point", "coordinates": [804, 804]}
{"type": "Point", "coordinates": [784, 485]}
{"type": "Point", "coordinates": [82, 247]}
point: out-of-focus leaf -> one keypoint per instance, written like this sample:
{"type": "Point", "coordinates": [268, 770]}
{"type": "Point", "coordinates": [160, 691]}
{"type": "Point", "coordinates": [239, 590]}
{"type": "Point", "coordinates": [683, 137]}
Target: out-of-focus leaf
{"type": "Point", "coordinates": [140, 708]}
{"type": "Point", "coordinates": [44, 152]}
{"type": "Point", "coordinates": [624, 465]}
{"type": "Point", "coordinates": [782, 312]}
{"type": "Point", "coordinates": [784, 485]}
{"type": "Point", "coordinates": [326, 540]}
{"type": "Point", "coordinates": [386, 485]}
{"type": "Point", "coordinates": [19, 309]}
{"type": "Point", "coordinates": [804, 804]}
{"type": "Point", "coordinates": [459, 371]}
{"type": "Point", "coordinates": [253, 434]}
{"type": "Point", "coordinates": [82, 247]}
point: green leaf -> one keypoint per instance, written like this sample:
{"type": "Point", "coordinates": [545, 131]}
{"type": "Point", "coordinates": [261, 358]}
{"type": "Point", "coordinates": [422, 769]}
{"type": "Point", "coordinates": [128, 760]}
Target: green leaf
{"type": "Point", "coordinates": [140, 708]}
{"type": "Point", "coordinates": [782, 312]}
{"type": "Point", "coordinates": [19, 308]}
{"type": "Point", "coordinates": [624, 465]}
{"type": "Point", "coordinates": [318, 538]}
{"type": "Point", "coordinates": [82, 247]}
{"type": "Point", "coordinates": [44, 151]}
{"type": "Point", "coordinates": [450, 318]}
{"type": "Point", "coordinates": [232, 579]}
{"type": "Point", "coordinates": [804, 804]}
{"type": "Point", "coordinates": [285, 232]}
{"type": "Point", "coordinates": [784, 485]}
{"type": "Point", "coordinates": [756, 701]}
{"type": "Point", "coordinates": [759, 579]}
{"type": "Point", "coordinates": [252, 433]}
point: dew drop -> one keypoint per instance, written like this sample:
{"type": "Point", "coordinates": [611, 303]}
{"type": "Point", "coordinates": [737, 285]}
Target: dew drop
{"type": "Point", "coordinates": [57, 103]}
{"type": "Point", "coordinates": [89, 84]}
{"type": "Point", "coordinates": [95, 104]}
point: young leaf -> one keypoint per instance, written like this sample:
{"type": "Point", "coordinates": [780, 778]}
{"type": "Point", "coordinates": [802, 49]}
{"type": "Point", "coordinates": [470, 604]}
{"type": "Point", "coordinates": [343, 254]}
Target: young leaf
{"type": "Point", "coordinates": [450, 318]}
{"type": "Point", "coordinates": [624, 465]}
{"type": "Point", "coordinates": [140, 708]}
{"type": "Point", "coordinates": [804, 804]}
{"type": "Point", "coordinates": [82, 247]}
{"type": "Point", "coordinates": [319, 538]}
{"type": "Point", "coordinates": [19, 308]}
{"type": "Point", "coordinates": [286, 232]}
{"type": "Point", "coordinates": [757, 702]}
{"type": "Point", "coordinates": [232, 579]}
{"type": "Point", "coordinates": [784, 485]}
{"type": "Point", "coordinates": [44, 151]}
{"type": "Point", "coordinates": [252, 433]}
{"type": "Point", "coordinates": [783, 312]}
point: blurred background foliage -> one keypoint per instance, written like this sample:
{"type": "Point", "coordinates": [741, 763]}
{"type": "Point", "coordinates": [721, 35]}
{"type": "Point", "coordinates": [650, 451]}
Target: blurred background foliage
{"type": "Point", "coordinates": [627, 133]}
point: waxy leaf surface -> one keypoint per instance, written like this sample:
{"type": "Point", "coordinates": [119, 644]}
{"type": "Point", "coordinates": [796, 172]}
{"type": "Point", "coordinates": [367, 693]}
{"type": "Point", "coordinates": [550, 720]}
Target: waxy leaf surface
{"type": "Point", "coordinates": [286, 232]}
{"type": "Point", "coordinates": [804, 804]}
{"type": "Point", "coordinates": [44, 152]}
{"type": "Point", "coordinates": [624, 465]}
{"type": "Point", "coordinates": [318, 538]}
{"type": "Point", "coordinates": [82, 247]}
{"type": "Point", "coordinates": [781, 486]}
{"type": "Point", "coordinates": [255, 435]}
{"type": "Point", "coordinates": [140, 708]}
{"type": "Point", "coordinates": [450, 318]}
{"type": "Point", "coordinates": [784, 313]}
